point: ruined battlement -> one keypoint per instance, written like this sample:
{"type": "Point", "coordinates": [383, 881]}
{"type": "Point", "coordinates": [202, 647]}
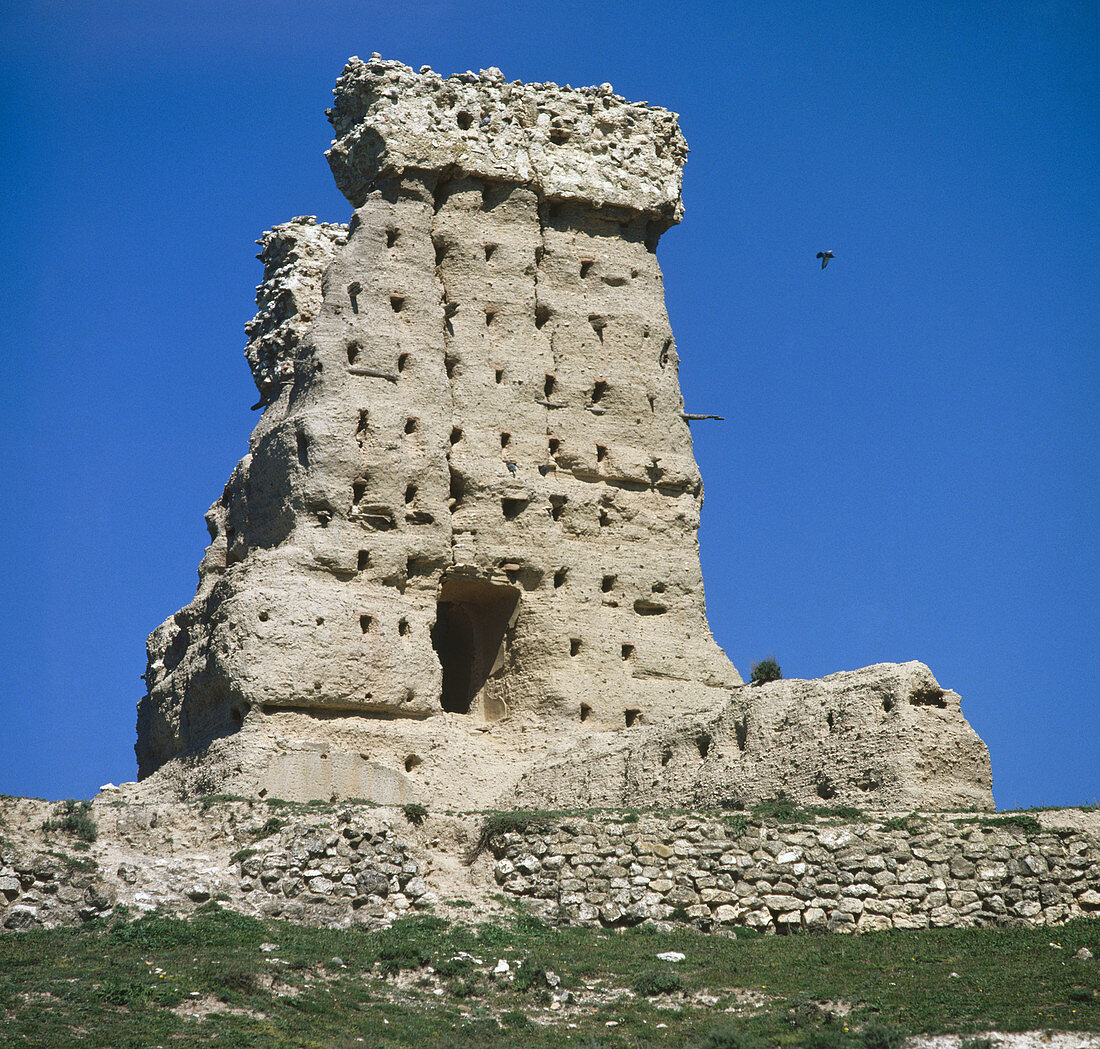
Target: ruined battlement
{"type": "Point", "coordinates": [564, 144]}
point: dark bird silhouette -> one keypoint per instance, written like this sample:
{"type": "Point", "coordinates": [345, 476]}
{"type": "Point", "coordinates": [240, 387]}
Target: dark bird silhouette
{"type": "Point", "coordinates": [825, 256]}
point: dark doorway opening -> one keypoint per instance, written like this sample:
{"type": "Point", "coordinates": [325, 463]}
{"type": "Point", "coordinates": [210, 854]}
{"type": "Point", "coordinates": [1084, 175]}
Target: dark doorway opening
{"type": "Point", "coordinates": [472, 619]}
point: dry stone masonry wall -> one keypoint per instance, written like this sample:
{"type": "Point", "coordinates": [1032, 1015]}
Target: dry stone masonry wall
{"type": "Point", "coordinates": [355, 865]}
{"type": "Point", "coordinates": [459, 562]}
{"type": "Point", "coordinates": [927, 872]}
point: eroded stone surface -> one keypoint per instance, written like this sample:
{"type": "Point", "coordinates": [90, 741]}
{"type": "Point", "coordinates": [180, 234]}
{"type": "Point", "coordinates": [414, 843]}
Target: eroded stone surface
{"type": "Point", "coordinates": [459, 561]}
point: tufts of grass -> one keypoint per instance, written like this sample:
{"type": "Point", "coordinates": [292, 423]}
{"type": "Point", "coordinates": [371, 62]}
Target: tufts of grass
{"type": "Point", "coordinates": [783, 810]}
{"type": "Point", "coordinates": [737, 824]}
{"type": "Point", "coordinates": [208, 801]}
{"type": "Point", "coordinates": [73, 817]}
{"type": "Point", "coordinates": [272, 825]}
{"type": "Point", "coordinates": [1013, 821]}
{"type": "Point", "coordinates": [72, 864]}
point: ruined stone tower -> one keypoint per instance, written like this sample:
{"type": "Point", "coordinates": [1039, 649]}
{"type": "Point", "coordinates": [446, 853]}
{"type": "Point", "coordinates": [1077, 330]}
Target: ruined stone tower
{"type": "Point", "coordinates": [461, 552]}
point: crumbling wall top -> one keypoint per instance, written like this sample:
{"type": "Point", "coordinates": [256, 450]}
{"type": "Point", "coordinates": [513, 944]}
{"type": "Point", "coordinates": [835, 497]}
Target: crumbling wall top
{"type": "Point", "coordinates": [567, 143]}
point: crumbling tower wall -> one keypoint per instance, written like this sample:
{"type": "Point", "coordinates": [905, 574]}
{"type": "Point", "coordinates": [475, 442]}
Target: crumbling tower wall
{"type": "Point", "coordinates": [464, 538]}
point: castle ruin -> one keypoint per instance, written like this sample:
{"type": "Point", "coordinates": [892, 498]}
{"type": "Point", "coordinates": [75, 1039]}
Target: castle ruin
{"type": "Point", "coordinates": [459, 562]}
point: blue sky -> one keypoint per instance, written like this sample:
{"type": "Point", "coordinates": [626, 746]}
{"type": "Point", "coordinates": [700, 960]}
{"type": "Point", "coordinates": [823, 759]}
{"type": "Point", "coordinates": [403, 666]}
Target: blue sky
{"type": "Point", "coordinates": [908, 466]}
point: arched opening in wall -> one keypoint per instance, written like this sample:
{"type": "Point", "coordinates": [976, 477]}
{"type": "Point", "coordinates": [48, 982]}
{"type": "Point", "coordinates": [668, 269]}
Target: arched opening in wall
{"type": "Point", "coordinates": [472, 620]}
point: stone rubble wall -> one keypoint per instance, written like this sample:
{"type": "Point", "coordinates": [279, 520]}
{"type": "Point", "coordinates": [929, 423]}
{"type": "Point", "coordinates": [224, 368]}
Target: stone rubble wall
{"type": "Point", "coordinates": [842, 878]}
{"type": "Point", "coordinates": [330, 870]}
{"type": "Point", "coordinates": [359, 865]}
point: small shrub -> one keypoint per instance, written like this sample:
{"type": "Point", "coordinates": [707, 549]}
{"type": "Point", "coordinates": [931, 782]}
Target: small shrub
{"type": "Point", "coordinates": [514, 1018]}
{"type": "Point", "coordinates": [73, 817]}
{"type": "Point", "coordinates": [657, 981]}
{"type": "Point", "coordinates": [529, 974]}
{"type": "Point", "coordinates": [881, 1036]}
{"type": "Point", "coordinates": [518, 822]}
{"type": "Point", "coordinates": [415, 813]}
{"type": "Point", "coordinates": [766, 670]}
{"type": "Point", "coordinates": [729, 1038]}
{"type": "Point", "coordinates": [272, 825]}
{"type": "Point", "coordinates": [242, 854]}
{"type": "Point", "coordinates": [466, 988]}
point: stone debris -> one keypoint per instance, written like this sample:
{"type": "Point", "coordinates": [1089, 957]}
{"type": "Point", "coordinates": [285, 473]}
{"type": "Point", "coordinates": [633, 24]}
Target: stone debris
{"type": "Point", "coordinates": [459, 562]}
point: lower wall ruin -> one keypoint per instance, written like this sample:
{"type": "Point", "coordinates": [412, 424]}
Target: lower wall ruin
{"type": "Point", "coordinates": [353, 864]}
{"type": "Point", "coordinates": [912, 873]}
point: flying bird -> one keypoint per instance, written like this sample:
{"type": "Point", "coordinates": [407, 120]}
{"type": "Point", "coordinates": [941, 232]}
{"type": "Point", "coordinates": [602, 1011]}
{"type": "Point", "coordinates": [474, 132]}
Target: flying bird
{"type": "Point", "coordinates": [825, 256]}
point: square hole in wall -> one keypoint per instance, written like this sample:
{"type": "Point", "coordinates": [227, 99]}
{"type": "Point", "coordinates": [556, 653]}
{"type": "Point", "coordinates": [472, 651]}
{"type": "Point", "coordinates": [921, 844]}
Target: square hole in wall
{"type": "Point", "coordinates": [363, 562]}
{"type": "Point", "coordinates": [574, 645]}
{"type": "Point", "coordinates": [397, 303]}
{"type": "Point", "coordinates": [607, 583]}
{"type": "Point", "coordinates": [365, 623]}
{"type": "Point", "coordinates": [631, 717]}
{"type": "Point", "coordinates": [559, 576]}
{"type": "Point", "coordinates": [628, 651]}
{"type": "Point", "coordinates": [512, 508]}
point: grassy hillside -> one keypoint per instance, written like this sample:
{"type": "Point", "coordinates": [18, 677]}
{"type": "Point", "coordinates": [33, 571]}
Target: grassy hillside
{"type": "Point", "coordinates": [223, 979]}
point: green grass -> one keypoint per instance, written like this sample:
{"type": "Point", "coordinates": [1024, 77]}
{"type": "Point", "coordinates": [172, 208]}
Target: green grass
{"type": "Point", "coordinates": [782, 809]}
{"type": "Point", "coordinates": [74, 818]}
{"type": "Point", "coordinates": [116, 983]}
{"type": "Point", "coordinates": [1019, 821]}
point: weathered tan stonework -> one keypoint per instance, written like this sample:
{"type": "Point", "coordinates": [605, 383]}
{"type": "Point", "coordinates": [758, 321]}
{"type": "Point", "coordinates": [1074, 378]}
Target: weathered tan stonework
{"type": "Point", "coordinates": [459, 562]}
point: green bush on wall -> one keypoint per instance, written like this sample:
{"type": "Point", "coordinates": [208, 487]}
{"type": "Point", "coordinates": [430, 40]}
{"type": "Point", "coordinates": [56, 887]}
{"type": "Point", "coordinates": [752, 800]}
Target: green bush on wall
{"type": "Point", "coordinates": [766, 670]}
